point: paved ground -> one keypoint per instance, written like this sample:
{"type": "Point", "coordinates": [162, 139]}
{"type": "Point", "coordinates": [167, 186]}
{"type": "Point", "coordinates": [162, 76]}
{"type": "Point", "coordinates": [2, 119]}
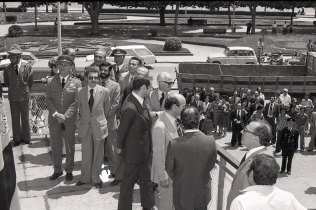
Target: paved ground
{"type": "Point", "coordinates": [34, 166]}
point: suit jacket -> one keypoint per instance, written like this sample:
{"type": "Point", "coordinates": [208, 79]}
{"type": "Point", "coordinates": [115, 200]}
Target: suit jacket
{"type": "Point", "coordinates": [275, 110]}
{"type": "Point", "coordinates": [117, 72]}
{"type": "Point", "coordinates": [124, 82]}
{"type": "Point", "coordinates": [62, 100]}
{"type": "Point", "coordinates": [240, 180]}
{"type": "Point", "coordinates": [19, 85]}
{"type": "Point", "coordinates": [189, 160]}
{"type": "Point", "coordinates": [155, 101]}
{"type": "Point", "coordinates": [163, 132]}
{"type": "Point", "coordinates": [243, 118]}
{"type": "Point", "coordinates": [134, 132]}
{"type": "Point", "coordinates": [97, 117]}
{"type": "Point", "coordinates": [289, 140]}
{"type": "Point", "coordinates": [233, 101]}
{"type": "Point", "coordinates": [114, 91]}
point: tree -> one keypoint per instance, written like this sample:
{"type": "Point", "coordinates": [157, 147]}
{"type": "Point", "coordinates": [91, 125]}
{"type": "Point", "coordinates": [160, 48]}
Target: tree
{"type": "Point", "coordinates": [25, 4]}
{"type": "Point", "coordinates": [94, 8]}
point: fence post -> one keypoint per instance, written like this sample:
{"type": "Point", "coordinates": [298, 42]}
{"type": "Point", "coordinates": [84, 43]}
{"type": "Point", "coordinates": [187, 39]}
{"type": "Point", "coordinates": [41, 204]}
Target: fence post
{"type": "Point", "coordinates": [221, 177]}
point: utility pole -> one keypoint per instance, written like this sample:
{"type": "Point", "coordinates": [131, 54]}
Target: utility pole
{"type": "Point", "coordinates": [59, 29]}
{"type": "Point", "coordinates": [5, 9]}
{"type": "Point", "coordinates": [233, 25]}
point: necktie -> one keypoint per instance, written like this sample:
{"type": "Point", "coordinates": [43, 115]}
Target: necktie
{"type": "Point", "coordinates": [16, 69]}
{"type": "Point", "coordinates": [179, 129]}
{"type": "Point", "coordinates": [91, 100]}
{"type": "Point", "coordinates": [162, 98]}
{"type": "Point", "coordinates": [63, 83]}
{"type": "Point", "coordinates": [146, 112]}
{"type": "Point", "coordinates": [238, 115]}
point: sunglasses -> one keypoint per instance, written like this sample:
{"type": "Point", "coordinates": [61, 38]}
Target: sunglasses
{"type": "Point", "coordinates": [168, 83]}
{"type": "Point", "coordinates": [93, 78]}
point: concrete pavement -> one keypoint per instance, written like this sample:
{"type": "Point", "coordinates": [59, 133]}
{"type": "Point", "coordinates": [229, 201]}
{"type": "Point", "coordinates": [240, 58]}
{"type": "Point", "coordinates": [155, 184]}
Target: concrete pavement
{"type": "Point", "coordinates": [34, 166]}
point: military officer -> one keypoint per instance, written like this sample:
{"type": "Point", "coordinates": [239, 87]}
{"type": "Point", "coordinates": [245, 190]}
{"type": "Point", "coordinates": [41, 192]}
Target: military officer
{"type": "Point", "coordinates": [119, 67]}
{"type": "Point", "coordinates": [18, 77]}
{"type": "Point", "coordinates": [62, 106]}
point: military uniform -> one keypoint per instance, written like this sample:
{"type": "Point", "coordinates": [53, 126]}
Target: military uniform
{"type": "Point", "coordinates": [19, 79]}
{"type": "Point", "coordinates": [116, 74]}
{"type": "Point", "coordinates": [62, 100]}
{"type": "Point", "coordinates": [289, 141]}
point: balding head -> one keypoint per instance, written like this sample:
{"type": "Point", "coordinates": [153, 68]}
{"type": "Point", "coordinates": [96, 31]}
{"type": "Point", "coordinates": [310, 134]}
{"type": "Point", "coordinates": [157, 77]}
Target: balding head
{"type": "Point", "coordinates": [164, 81]}
{"type": "Point", "coordinates": [174, 104]}
{"type": "Point", "coordinates": [142, 70]}
{"type": "Point", "coordinates": [99, 56]}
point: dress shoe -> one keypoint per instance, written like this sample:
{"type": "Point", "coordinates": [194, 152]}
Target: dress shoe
{"type": "Point", "coordinates": [69, 177]}
{"type": "Point", "coordinates": [15, 144]}
{"type": "Point", "coordinates": [240, 145]}
{"type": "Point", "coordinates": [63, 155]}
{"type": "Point", "coordinates": [55, 175]}
{"type": "Point", "coordinates": [112, 176]}
{"type": "Point", "coordinates": [80, 183]}
{"type": "Point", "coordinates": [281, 172]}
{"type": "Point", "coordinates": [98, 185]}
{"type": "Point", "coordinates": [288, 173]}
{"type": "Point", "coordinates": [26, 142]}
{"type": "Point", "coordinates": [302, 149]}
{"type": "Point", "coordinates": [114, 182]}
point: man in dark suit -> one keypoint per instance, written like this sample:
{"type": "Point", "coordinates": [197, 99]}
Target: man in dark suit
{"type": "Point", "coordinates": [239, 119]}
{"type": "Point", "coordinates": [134, 143]}
{"type": "Point", "coordinates": [271, 112]}
{"type": "Point", "coordinates": [62, 107]}
{"type": "Point", "coordinates": [191, 176]}
{"type": "Point", "coordinates": [119, 67]}
{"type": "Point", "coordinates": [18, 77]}
{"type": "Point", "coordinates": [256, 137]}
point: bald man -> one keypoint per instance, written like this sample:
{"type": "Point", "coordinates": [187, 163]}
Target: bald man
{"type": "Point", "coordinates": [159, 95]}
{"type": "Point", "coordinates": [164, 130]}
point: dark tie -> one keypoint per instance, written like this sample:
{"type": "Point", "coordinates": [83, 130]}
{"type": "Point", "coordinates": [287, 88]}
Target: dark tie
{"type": "Point", "coordinates": [179, 129]}
{"type": "Point", "coordinates": [238, 115]}
{"type": "Point", "coordinates": [91, 100]}
{"type": "Point", "coordinates": [162, 98]}
{"type": "Point", "coordinates": [146, 112]}
{"type": "Point", "coordinates": [63, 83]}
{"type": "Point", "coordinates": [16, 69]}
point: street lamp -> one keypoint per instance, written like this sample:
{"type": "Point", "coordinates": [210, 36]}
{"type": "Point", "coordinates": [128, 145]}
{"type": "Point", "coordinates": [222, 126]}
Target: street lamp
{"type": "Point", "coordinates": [233, 25]}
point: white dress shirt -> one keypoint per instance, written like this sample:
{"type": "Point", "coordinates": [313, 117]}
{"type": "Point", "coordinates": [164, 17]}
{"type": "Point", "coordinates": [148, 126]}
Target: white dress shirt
{"type": "Point", "coordinates": [253, 150]}
{"type": "Point", "coordinates": [139, 99]}
{"type": "Point", "coordinates": [285, 100]}
{"type": "Point", "coordinates": [94, 92]}
{"type": "Point", "coordinates": [265, 197]}
{"type": "Point", "coordinates": [172, 120]}
{"type": "Point", "coordinates": [66, 78]}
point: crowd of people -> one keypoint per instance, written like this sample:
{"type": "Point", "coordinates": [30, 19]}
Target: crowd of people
{"type": "Point", "coordinates": [160, 140]}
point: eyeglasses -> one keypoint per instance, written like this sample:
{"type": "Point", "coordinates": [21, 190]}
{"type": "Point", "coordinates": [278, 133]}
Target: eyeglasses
{"type": "Point", "coordinates": [168, 83]}
{"type": "Point", "coordinates": [245, 130]}
{"type": "Point", "coordinates": [93, 78]}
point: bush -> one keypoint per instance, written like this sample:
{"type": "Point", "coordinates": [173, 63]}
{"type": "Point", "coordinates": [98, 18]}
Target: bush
{"type": "Point", "coordinates": [173, 44]}
{"type": "Point", "coordinates": [15, 31]}
{"type": "Point", "coordinates": [11, 19]}
{"type": "Point", "coordinates": [214, 30]}
{"type": "Point", "coordinates": [153, 32]}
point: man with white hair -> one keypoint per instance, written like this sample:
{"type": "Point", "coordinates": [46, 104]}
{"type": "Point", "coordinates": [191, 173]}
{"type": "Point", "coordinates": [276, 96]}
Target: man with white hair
{"type": "Point", "coordinates": [285, 98]}
{"type": "Point", "coordinates": [159, 95]}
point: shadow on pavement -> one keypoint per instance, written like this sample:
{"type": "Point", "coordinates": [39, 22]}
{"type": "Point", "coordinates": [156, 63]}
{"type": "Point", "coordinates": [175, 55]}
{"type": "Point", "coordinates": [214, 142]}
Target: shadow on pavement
{"type": "Point", "coordinates": [39, 184]}
{"type": "Point", "coordinates": [43, 159]}
{"type": "Point", "coordinates": [40, 144]}
{"type": "Point", "coordinates": [310, 190]}
{"type": "Point", "coordinates": [308, 153]}
{"type": "Point", "coordinates": [136, 196]}
{"type": "Point", "coordinates": [63, 191]}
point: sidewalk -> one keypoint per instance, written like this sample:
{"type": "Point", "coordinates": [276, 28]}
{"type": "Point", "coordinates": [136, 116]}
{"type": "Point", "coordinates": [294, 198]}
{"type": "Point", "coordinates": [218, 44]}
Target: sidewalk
{"type": "Point", "coordinates": [34, 166]}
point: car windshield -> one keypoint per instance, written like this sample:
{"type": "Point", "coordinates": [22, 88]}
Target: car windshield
{"type": "Point", "coordinates": [142, 52]}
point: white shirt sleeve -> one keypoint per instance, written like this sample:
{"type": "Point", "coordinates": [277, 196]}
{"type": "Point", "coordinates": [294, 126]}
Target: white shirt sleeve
{"type": "Point", "coordinates": [236, 205]}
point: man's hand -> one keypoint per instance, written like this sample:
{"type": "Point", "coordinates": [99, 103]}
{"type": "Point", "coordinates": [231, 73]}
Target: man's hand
{"type": "Point", "coordinates": [60, 117]}
{"type": "Point", "coordinates": [164, 183]}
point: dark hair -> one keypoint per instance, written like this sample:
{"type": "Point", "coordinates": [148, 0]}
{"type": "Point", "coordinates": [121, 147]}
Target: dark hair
{"type": "Point", "coordinates": [225, 97]}
{"type": "Point", "coordinates": [140, 62]}
{"type": "Point", "coordinates": [93, 70]}
{"type": "Point", "coordinates": [265, 169]}
{"type": "Point", "coordinates": [264, 132]}
{"type": "Point", "coordinates": [259, 107]}
{"type": "Point", "coordinates": [190, 118]}
{"type": "Point", "coordinates": [292, 105]}
{"type": "Point", "coordinates": [106, 64]}
{"type": "Point", "coordinates": [140, 81]}
{"type": "Point", "coordinates": [170, 101]}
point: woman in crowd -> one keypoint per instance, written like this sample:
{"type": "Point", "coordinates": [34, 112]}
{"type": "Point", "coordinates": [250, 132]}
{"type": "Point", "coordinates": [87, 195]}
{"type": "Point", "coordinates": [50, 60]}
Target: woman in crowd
{"type": "Point", "coordinates": [258, 114]}
{"type": "Point", "coordinates": [224, 119]}
{"type": "Point", "coordinates": [216, 110]}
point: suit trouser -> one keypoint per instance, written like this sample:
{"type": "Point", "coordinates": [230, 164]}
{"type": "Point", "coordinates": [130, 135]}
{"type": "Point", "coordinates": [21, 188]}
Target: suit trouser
{"type": "Point", "coordinates": [313, 138]}
{"type": "Point", "coordinates": [57, 135]}
{"type": "Point", "coordinates": [236, 135]}
{"type": "Point", "coordinates": [301, 131]}
{"type": "Point", "coordinates": [92, 158]}
{"type": "Point", "coordinates": [110, 146]}
{"type": "Point", "coordinates": [165, 197]}
{"type": "Point", "coordinates": [289, 158]}
{"type": "Point", "coordinates": [132, 173]}
{"type": "Point", "coordinates": [278, 143]}
{"type": "Point", "coordinates": [119, 168]}
{"type": "Point", "coordinates": [273, 126]}
{"type": "Point", "coordinates": [20, 118]}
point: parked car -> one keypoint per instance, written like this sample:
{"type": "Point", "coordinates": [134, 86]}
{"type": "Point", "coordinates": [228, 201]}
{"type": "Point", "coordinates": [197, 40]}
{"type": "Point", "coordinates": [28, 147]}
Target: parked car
{"type": "Point", "coordinates": [299, 59]}
{"type": "Point", "coordinates": [235, 55]}
{"type": "Point", "coordinates": [27, 56]}
{"type": "Point", "coordinates": [132, 50]}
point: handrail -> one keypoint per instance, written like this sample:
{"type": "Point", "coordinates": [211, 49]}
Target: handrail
{"type": "Point", "coordinates": [227, 157]}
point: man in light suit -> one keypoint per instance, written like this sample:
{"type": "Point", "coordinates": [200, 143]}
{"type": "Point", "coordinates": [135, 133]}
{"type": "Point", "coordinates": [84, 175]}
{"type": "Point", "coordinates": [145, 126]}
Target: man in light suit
{"type": "Point", "coordinates": [164, 130]}
{"type": "Point", "coordinates": [62, 106]}
{"type": "Point", "coordinates": [119, 67]}
{"type": "Point", "coordinates": [94, 105]}
{"type": "Point", "coordinates": [256, 137]}
{"type": "Point", "coordinates": [134, 143]}
{"type": "Point", "coordinates": [159, 95]}
{"type": "Point", "coordinates": [189, 160]}
{"type": "Point", "coordinates": [18, 77]}
{"type": "Point", "coordinates": [114, 91]}
{"type": "Point", "coordinates": [271, 112]}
